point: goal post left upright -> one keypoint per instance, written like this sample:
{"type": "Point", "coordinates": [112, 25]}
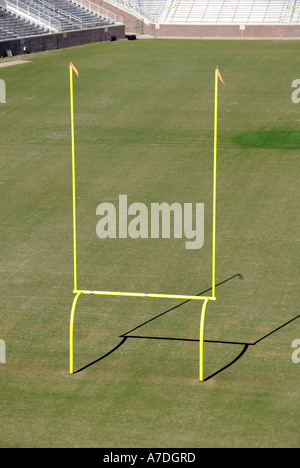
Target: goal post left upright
{"type": "Point", "coordinates": [73, 68]}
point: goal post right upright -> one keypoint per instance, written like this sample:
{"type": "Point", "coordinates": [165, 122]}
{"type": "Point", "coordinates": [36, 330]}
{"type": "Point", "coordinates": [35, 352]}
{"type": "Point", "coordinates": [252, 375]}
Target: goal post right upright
{"type": "Point", "coordinates": [214, 229]}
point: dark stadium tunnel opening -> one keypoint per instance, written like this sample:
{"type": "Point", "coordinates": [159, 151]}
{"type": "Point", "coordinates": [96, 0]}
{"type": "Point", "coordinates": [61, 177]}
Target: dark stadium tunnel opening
{"type": "Point", "coordinates": [269, 139]}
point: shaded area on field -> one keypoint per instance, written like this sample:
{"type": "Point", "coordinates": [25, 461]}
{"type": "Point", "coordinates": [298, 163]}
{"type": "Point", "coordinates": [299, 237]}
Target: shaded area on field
{"type": "Point", "coordinates": [270, 139]}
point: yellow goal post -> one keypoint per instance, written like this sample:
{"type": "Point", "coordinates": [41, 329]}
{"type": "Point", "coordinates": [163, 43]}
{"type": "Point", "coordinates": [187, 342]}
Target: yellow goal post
{"type": "Point", "coordinates": [78, 292]}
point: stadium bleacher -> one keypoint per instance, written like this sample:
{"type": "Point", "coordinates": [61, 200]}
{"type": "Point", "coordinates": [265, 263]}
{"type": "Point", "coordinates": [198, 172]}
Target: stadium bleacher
{"type": "Point", "coordinates": [233, 11]}
{"type": "Point", "coordinates": [152, 10]}
{"type": "Point", "coordinates": [23, 18]}
{"type": "Point", "coordinates": [12, 26]}
{"type": "Point", "coordinates": [216, 11]}
{"type": "Point", "coordinates": [71, 14]}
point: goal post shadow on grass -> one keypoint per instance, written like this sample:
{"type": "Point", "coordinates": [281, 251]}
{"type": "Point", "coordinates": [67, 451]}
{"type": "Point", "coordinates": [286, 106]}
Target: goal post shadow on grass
{"type": "Point", "coordinates": [78, 292]}
{"type": "Point", "coordinates": [245, 345]}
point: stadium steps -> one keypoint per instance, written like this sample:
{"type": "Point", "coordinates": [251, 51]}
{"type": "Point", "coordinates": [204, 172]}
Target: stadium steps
{"type": "Point", "coordinates": [152, 10]}
{"type": "Point", "coordinates": [217, 11]}
{"type": "Point", "coordinates": [12, 26]}
{"type": "Point", "coordinates": [67, 15]}
{"type": "Point", "coordinates": [72, 14]}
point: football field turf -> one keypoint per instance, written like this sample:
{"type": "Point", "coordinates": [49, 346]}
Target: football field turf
{"type": "Point", "coordinates": [144, 128]}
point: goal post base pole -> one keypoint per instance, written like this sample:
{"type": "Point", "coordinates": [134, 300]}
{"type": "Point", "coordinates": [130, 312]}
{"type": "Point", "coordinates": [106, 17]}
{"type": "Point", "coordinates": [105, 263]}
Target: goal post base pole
{"type": "Point", "coordinates": [206, 299]}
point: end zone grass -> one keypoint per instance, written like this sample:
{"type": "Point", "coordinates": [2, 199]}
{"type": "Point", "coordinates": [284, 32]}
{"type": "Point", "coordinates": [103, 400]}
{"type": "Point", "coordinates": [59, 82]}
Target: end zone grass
{"type": "Point", "coordinates": [144, 127]}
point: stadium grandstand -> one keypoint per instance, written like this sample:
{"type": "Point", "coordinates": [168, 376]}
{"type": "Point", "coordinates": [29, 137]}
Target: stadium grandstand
{"type": "Point", "coordinates": [215, 11]}
{"type": "Point", "coordinates": [210, 18]}
{"type": "Point", "coordinates": [12, 26]}
{"type": "Point", "coordinates": [31, 17]}
{"type": "Point", "coordinates": [54, 23]}
{"type": "Point", "coordinates": [155, 18]}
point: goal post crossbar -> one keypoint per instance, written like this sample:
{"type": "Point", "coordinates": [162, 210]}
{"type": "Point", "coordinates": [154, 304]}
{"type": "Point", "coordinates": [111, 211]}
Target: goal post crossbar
{"type": "Point", "coordinates": [145, 295]}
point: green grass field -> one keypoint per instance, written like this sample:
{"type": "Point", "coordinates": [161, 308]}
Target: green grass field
{"type": "Point", "coordinates": [144, 128]}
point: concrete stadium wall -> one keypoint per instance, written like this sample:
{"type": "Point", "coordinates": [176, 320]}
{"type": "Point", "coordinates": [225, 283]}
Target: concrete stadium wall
{"type": "Point", "coordinates": [61, 40]}
{"type": "Point", "coordinates": [137, 26]}
{"type": "Point", "coordinates": [247, 31]}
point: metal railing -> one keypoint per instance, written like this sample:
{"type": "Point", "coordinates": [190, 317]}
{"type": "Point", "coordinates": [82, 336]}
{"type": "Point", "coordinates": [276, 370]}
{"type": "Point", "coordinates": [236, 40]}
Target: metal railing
{"type": "Point", "coordinates": [100, 11]}
{"type": "Point", "coordinates": [218, 11]}
{"type": "Point", "coordinates": [43, 15]}
{"type": "Point", "coordinates": [33, 15]}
